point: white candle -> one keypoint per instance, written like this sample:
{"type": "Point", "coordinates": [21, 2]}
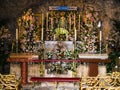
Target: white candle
{"type": "Point", "coordinates": [42, 20]}
{"type": "Point", "coordinates": [47, 21]}
{"type": "Point", "coordinates": [51, 23]}
{"type": "Point", "coordinates": [100, 35]}
{"type": "Point", "coordinates": [74, 20]}
{"type": "Point", "coordinates": [75, 34]}
{"type": "Point", "coordinates": [69, 22]}
{"type": "Point", "coordinates": [75, 27]}
{"type": "Point", "coordinates": [79, 23]}
{"type": "Point", "coordinates": [42, 27]}
{"type": "Point", "coordinates": [16, 34]}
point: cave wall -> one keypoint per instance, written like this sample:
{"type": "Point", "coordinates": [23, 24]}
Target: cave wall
{"type": "Point", "coordinates": [11, 10]}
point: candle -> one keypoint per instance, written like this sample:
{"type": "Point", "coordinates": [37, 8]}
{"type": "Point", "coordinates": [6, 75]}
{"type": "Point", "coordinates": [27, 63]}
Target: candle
{"type": "Point", "coordinates": [75, 34]}
{"type": "Point", "coordinates": [106, 48]}
{"type": "Point", "coordinates": [75, 27]}
{"type": "Point", "coordinates": [51, 20]}
{"type": "Point", "coordinates": [100, 35]}
{"type": "Point", "coordinates": [74, 21]}
{"type": "Point", "coordinates": [47, 21]}
{"type": "Point", "coordinates": [42, 27]}
{"type": "Point", "coordinates": [42, 20]}
{"type": "Point", "coordinates": [16, 34]}
{"type": "Point", "coordinates": [70, 22]}
{"type": "Point", "coordinates": [79, 23]}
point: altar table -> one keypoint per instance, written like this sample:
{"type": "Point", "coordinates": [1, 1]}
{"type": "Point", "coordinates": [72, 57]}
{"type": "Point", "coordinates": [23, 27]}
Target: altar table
{"type": "Point", "coordinates": [92, 63]}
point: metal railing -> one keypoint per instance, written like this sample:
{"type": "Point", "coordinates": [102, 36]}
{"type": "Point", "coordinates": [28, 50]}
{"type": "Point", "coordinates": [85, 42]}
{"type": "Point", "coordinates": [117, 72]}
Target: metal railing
{"type": "Point", "coordinates": [109, 82]}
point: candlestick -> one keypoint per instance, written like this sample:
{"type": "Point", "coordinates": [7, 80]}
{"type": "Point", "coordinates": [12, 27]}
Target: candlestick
{"type": "Point", "coordinates": [75, 26]}
{"type": "Point", "coordinates": [42, 27]}
{"type": "Point", "coordinates": [16, 40]}
{"type": "Point", "coordinates": [100, 41]}
{"type": "Point", "coordinates": [79, 22]}
{"type": "Point", "coordinates": [47, 21]}
{"type": "Point", "coordinates": [51, 20]}
{"type": "Point", "coordinates": [106, 48]}
{"type": "Point", "coordinates": [16, 34]}
{"type": "Point", "coordinates": [100, 35]}
{"type": "Point", "coordinates": [74, 21]}
{"type": "Point", "coordinates": [75, 34]}
{"type": "Point", "coordinates": [70, 22]}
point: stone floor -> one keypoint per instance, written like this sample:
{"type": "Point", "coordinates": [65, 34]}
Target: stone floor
{"type": "Point", "coordinates": [51, 86]}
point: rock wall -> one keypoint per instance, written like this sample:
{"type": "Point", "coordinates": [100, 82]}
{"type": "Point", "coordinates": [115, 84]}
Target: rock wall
{"type": "Point", "coordinates": [11, 10]}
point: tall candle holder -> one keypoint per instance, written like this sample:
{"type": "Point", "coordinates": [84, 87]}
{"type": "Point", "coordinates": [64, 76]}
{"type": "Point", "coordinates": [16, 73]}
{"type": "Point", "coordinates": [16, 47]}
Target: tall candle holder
{"type": "Point", "coordinates": [42, 27]}
{"type": "Point", "coordinates": [47, 21]}
{"type": "Point", "coordinates": [17, 34]}
{"type": "Point", "coordinates": [100, 36]}
{"type": "Point", "coordinates": [16, 40]}
{"type": "Point", "coordinates": [100, 41]}
{"type": "Point", "coordinates": [79, 22]}
{"type": "Point", "coordinates": [69, 22]}
{"type": "Point", "coordinates": [75, 27]}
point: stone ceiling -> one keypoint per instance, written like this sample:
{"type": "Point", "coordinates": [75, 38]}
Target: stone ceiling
{"type": "Point", "coordinates": [13, 8]}
{"type": "Point", "coordinates": [10, 10]}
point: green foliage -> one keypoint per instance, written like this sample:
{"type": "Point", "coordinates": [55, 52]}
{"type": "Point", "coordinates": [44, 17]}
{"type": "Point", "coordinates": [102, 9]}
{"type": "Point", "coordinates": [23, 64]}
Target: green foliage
{"type": "Point", "coordinates": [113, 57]}
{"type": "Point", "coordinates": [114, 45]}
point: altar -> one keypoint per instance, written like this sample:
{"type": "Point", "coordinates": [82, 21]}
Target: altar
{"type": "Point", "coordinates": [90, 64]}
{"type": "Point", "coordinates": [55, 44]}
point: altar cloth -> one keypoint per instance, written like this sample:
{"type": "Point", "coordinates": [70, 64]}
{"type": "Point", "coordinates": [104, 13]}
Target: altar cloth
{"type": "Point", "coordinates": [95, 56]}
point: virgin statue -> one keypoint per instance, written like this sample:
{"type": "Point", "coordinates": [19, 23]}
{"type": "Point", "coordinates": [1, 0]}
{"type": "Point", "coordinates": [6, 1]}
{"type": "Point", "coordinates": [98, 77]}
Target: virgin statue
{"type": "Point", "coordinates": [61, 27]}
{"type": "Point", "coordinates": [62, 22]}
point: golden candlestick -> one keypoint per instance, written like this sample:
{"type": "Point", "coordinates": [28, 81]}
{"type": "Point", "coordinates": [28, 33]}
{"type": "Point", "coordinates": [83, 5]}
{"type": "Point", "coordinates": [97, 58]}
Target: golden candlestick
{"type": "Point", "coordinates": [79, 23]}
{"type": "Point", "coordinates": [16, 34]}
{"type": "Point", "coordinates": [75, 27]}
{"type": "Point", "coordinates": [47, 21]}
{"type": "Point", "coordinates": [42, 26]}
{"type": "Point", "coordinates": [51, 20]}
{"type": "Point", "coordinates": [69, 22]}
{"type": "Point", "coordinates": [100, 41]}
{"type": "Point", "coordinates": [74, 21]}
{"type": "Point", "coordinates": [16, 40]}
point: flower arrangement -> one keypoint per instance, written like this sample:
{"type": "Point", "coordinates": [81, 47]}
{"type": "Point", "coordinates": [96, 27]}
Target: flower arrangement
{"type": "Point", "coordinates": [89, 40]}
{"type": "Point", "coordinates": [29, 38]}
{"type": "Point", "coordinates": [60, 52]}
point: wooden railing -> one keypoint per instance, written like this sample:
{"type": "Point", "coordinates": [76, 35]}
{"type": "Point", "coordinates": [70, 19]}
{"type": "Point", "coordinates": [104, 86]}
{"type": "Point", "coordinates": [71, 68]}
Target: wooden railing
{"type": "Point", "coordinates": [9, 82]}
